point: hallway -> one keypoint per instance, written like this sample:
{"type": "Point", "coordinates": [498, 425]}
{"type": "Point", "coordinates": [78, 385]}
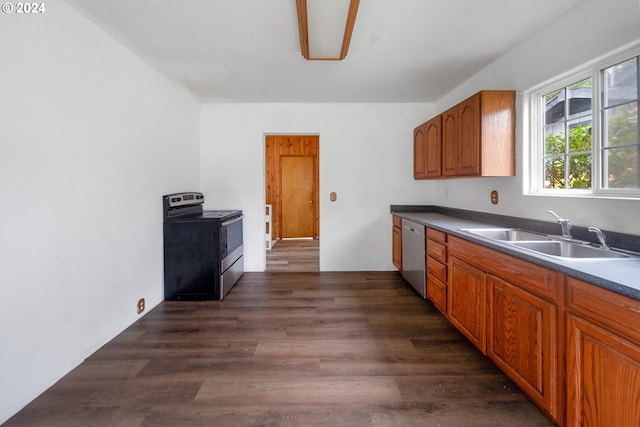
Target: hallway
{"type": "Point", "coordinates": [297, 255]}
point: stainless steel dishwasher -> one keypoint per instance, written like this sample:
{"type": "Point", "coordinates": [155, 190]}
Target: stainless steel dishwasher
{"type": "Point", "coordinates": [413, 256]}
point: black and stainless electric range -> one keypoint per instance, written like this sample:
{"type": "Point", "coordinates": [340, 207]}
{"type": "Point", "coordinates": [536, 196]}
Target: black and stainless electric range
{"type": "Point", "coordinates": [203, 249]}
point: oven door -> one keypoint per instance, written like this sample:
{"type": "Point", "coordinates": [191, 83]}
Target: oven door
{"type": "Point", "coordinates": [231, 238]}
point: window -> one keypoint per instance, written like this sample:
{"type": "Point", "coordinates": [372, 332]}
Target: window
{"type": "Point", "coordinates": [567, 136]}
{"type": "Point", "coordinates": [585, 131]}
{"type": "Point", "coordinates": [620, 125]}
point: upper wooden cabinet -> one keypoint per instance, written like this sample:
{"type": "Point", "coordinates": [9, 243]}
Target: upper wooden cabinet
{"type": "Point", "coordinates": [419, 152]}
{"type": "Point", "coordinates": [427, 149]}
{"type": "Point", "coordinates": [450, 139]}
{"type": "Point", "coordinates": [474, 138]}
{"type": "Point", "coordinates": [433, 133]}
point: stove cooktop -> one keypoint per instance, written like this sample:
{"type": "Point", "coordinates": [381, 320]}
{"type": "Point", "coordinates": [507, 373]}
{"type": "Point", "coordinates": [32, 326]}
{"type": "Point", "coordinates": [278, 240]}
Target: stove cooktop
{"type": "Point", "coordinates": [220, 214]}
{"type": "Point", "coordinates": [199, 215]}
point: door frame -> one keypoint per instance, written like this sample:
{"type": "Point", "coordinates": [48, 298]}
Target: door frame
{"type": "Point", "coordinates": [277, 146]}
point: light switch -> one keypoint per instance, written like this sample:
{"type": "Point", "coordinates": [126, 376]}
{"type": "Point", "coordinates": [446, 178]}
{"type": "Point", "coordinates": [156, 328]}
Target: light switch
{"type": "Point", "coordinates": [333, 196]}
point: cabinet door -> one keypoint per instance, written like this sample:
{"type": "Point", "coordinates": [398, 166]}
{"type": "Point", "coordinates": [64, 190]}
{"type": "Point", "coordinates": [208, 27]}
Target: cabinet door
{"type": "Point", "coordinates": [522, 340]}
{"type": "Point", "coordinates": [450, 142]}
{"type": "Point", "coordinates": [436, 283]}
{"type": "Point", "coordinates": [603, 376]}
{"type": "Point", "coordinates": [433, 143]}
{"type": "Point", "coordinates": [466, 301]}
{"type": "Point", "coordinates": [419, 152]}
{"type": "Point", "coordinates": [397, 247]}
{"type": "Point", "coordinates": [469, 136]}
{"type": "Point", "coordinates": [396, 242]}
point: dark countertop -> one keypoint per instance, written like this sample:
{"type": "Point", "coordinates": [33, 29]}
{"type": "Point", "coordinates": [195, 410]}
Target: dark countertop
{"type": "Point", "coordinates": [618, 275]}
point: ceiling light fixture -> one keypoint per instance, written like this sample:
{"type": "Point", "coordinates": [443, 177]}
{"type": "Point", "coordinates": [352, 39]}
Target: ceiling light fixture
{"type": "Point", "coordinates": [326, 27]}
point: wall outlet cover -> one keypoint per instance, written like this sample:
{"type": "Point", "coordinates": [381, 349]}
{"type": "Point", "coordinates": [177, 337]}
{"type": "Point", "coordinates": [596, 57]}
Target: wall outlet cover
{"type": "Point", "coordinates": [494, 197]}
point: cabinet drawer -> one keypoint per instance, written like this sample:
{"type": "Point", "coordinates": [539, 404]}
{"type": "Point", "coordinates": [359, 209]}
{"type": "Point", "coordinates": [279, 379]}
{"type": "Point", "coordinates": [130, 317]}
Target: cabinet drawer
{"type": "Point", "coordinates": [397, 221]}
{"type": "Point", "coordinates": [437, 250]}
{"type": "Point", "coordinates": [437, 269]}
{"type": "Point", "coordinates": [437, 293]}
{"type": "Point", "coordinates": [535, 279]}
{"type": "Point", "coordinates": [617, 312]}
{"type": "Point", "coordinates": [436, 235]}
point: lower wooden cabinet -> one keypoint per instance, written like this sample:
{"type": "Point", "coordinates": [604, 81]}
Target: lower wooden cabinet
{"type": "Point", "coordinates": [572, 347]}
{"type": "Point", "coordinates": [437, 283]}
{"type": "Point", "coordinates": [507, 308]}
{"type": "Point", "coordinates": [466, 306]}
{"type": "Point", "coordinates": [436, 244]}
{"type": "Point", "coordinates": [603, 357]}
{"type": "Point", "coordinates": [396, 242]}
{"type": "Point", "coordinates": [521, 340]}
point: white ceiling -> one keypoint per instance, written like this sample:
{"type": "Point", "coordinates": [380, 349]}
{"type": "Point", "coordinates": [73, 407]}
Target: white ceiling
{"type": "Point", "coordinates": [249, 50]}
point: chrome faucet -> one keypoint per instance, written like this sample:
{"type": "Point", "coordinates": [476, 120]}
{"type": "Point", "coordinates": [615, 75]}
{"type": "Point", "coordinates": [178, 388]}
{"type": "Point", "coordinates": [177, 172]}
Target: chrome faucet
{"type": "Point", "coordinates": [601, 238]}
{"type": "Point", "coordinates": [565, 225]}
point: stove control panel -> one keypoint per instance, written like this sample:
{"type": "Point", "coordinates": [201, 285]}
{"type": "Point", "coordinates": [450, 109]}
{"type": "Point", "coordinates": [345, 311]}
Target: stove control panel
{"type": "Point", "coordinates": [184, 199]}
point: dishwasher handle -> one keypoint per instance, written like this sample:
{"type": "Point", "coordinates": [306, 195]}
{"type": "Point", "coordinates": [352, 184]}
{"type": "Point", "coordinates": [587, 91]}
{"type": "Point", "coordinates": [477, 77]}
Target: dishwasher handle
{"type": "Point", "coordinates": [412, 228]}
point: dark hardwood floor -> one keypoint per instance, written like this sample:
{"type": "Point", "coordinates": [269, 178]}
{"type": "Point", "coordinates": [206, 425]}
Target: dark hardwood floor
{"type": "Point", "coordinates": [294, 255]}
{"type": "Point", "coordinates": [288, 349]}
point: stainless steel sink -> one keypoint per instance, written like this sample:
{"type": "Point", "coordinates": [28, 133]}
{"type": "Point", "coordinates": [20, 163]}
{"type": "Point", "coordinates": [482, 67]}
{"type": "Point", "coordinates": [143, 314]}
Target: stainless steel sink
{"type": "Point", "coordinates": [507, 234]}
{"type": "Point", "coordinates": [547, 245]}
{"type": "Point", "coordinates": [563, 249]}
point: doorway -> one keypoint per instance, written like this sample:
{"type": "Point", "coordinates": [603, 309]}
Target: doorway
{"type": "Point", "coordinates": [292, 198]}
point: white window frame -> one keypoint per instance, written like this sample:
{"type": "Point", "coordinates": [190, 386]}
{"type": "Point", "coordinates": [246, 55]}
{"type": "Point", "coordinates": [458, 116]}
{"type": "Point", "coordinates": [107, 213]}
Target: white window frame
{"type": "Point", "coordinates": [534, 165]}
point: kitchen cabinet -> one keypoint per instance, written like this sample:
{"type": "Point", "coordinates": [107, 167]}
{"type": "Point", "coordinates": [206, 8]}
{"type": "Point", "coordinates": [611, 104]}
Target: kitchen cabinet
{"type": "Point", "coordinates": [572, 347]}
{"type": "Point", "coordinates": [433, 142]}
{"type": "Point", "coordinates": [436, 260]}
{"type": "Point", "coordinates": [419, 152]}
{"type": "Point", "coordinates": [467, 147]}
{"type": "Point", "coordinates": [603, 357]}
{"type": "Point", "coordinates": [450, 142]}
{"type": "Point", "coordinates": [521, 340]}
{"type": "Point", "coordinates": [471, 139]}
{"type": "Point", "coordinates": [427, 149]}
{"type": "Point", "coordinates": [507, 307]}
{"type": "Point", "coordinates": [396, 242]}
{"type": "Point", "coordinates": [466, 305]}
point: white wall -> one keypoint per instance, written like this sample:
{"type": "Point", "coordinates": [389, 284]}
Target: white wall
{"type": "Point", "coordinates": [90, 138]}
{"type": "Point", "coordinates": [595, 28]}
{"type": "Point", "coordinates": [365, 157]}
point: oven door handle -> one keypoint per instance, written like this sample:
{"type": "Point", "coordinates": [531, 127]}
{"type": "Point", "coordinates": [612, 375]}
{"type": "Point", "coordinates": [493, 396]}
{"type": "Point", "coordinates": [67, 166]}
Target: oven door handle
{"type": "Point", "coordinates": [231, 221]}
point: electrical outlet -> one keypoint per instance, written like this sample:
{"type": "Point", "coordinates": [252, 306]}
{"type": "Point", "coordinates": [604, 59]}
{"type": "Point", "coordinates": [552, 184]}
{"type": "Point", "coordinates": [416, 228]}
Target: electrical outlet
{"type": "Point", "coordinates": [494, 197]}
{"type": "Point", "coordinates": [140, 305]}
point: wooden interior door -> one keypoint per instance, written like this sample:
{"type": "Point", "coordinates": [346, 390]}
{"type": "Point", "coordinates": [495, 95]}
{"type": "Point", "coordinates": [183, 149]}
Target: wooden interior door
{"type": "Point", "coordinates": [297, 196]}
